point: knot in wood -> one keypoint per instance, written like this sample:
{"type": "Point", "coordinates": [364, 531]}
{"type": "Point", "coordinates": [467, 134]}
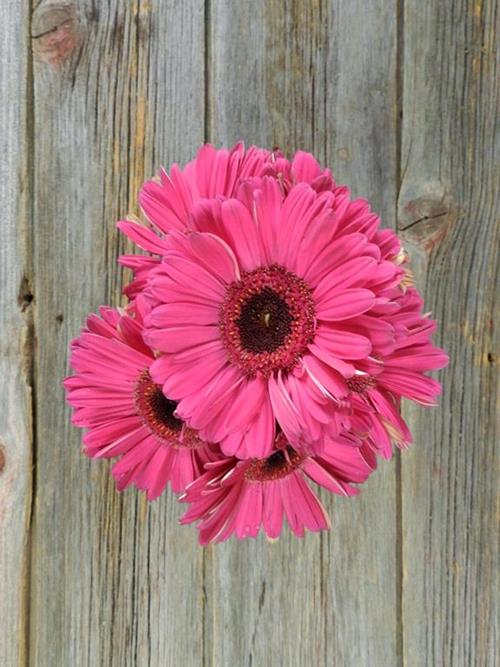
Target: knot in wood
{"type": "Point", "coordinates": [425, 220]}
{"type": "Point", "coordinates": [55, 32]}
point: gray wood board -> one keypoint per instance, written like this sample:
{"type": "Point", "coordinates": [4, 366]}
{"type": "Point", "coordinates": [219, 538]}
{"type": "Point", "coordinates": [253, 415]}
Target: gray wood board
{"type": "Point", "coordinates": [284, 74]}
{"type": "Point", "coordinates": [114, 582]}
{"type": "Point", "coordinates": [15, 336]}
{"type": "Point", "coordinates": [448, 214]}
{"type": "Point", "coordinates": [400, 99]}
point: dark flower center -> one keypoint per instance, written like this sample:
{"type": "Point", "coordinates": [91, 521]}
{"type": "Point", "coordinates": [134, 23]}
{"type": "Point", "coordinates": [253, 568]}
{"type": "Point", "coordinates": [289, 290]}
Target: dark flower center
{"type": "Point", "coordinates": [155, 408]}
{"type": "Point", "coordinates": [162, 410]}
{"type": "Point", "coordinates": [157, 412]}
{"type": "Point", "coordinates": [267, 320]}
{"type": "Point", "coordinates": [278, 465]}
{"type": "Point", "coordinates": [264, 322]}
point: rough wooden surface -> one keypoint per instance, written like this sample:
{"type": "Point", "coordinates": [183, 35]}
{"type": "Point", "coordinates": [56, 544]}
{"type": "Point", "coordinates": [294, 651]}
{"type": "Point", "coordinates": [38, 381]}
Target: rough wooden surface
{"type": "Point", "coordinates": [400, 99]}
{"type": "Point", "coordinates": [448, 205]}
{"type": "Point", "coordinates": [304, 86]}
{"type": "Point", "coordinates": [362, 564]}
{"type": "Point", "coordinates": [115, 578]}
{"type": "Point", "coordinates": [15, 336]}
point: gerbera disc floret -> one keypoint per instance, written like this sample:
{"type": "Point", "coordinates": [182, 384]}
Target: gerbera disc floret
{"type": "Point", "coordinates": [158, 413]}
{"type": "Point", "coordinates": [267, 321]}
{"type": "Point", "coordinates": [280, 464]}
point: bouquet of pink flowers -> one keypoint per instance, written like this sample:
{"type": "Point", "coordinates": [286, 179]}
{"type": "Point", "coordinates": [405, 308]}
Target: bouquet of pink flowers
{"type": "Point", "coordinates": [271, 331]}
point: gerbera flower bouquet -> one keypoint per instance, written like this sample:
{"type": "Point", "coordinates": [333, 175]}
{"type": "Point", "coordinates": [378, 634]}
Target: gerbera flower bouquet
{"type": "Point", "coordinates": [271, 330]}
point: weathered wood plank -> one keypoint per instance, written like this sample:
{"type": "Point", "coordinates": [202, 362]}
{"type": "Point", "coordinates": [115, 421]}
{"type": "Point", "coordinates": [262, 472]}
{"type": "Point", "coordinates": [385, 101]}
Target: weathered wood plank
{"type": "Point", "coordinates": [361, 559]}
{"type": "Point", "coordinates": [283, 74]}
{"type": "Point", "coordinates": [114, 582]}
{"type": "Point", "coordinates": [118, 89]}
{"type": "Point", "coordinates": [15, 335]}
{"type": "Point", "coordinates": [267, 73]}
{"type": "Point", "coordinates": [449, 206]}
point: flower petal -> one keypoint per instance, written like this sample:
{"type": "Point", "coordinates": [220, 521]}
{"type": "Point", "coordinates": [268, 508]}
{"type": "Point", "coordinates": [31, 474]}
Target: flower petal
{"type": "Point", "coordinates": [344, 304]}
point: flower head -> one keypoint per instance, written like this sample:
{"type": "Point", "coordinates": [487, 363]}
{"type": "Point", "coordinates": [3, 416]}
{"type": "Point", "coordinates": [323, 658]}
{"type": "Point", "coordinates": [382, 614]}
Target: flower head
{"type": "Point", "coordinates": [241, 497]}
{"type": "Point", "coordinates": [168, 200]}
{"type": "Point", "coordinates": [376, 390]}
{"type": "Point", "coordinates": [277, 295]}
{"type": "Point", "coordinates": [125, 413]}
{"type": "Point", "coordinates": [272, 330]}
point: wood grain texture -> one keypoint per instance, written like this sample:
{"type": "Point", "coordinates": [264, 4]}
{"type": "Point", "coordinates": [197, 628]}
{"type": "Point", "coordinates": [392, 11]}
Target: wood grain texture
{"type": "Point", "coordinates": [400, 98]}
{"type": "Point", "coordinates": [361, 561]}
{"type": "Point", "coordinates": [111, 577]}
{"type": "Point", "coordinates": [284, 74]}
{"type": "Point", "coordinates": [15, 336]}
{"type": "Point", "coordinates": [448, 206]}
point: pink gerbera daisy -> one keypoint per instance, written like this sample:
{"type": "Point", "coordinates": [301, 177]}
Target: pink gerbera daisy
{"type": "Point", "coordinates": [271, 314]}
{"type": "Point", "coordinates": [376, 389]}
{"type": "Point", "coordinates": [168, 201]}
{"type": "Point", "coordinates": [240, 497]}
{"type": "Point", "coordinates": [303, 168]}
{"type": "Point", "coordinates": [125, 413]}
{"type": "Point", "coordinates": [269, 307]}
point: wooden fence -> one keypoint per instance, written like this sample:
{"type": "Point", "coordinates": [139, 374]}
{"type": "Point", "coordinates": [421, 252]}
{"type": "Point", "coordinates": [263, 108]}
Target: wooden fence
{"type": "Point", "coordinates": [400, 98]}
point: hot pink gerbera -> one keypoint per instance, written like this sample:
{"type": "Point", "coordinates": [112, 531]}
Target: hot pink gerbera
{"type": "Point", "coordinates": [376, 390]}
{"type": "Point", "coordinates": [240, 497]}
{"type": "Point", "coordinates": [266, 311]}
{"type": "Point", "coordinates": [168, 201]}
{"type": "Point", "coordinates": [125, 412]}
{"type": "Point", "coordinates": [271, 314]}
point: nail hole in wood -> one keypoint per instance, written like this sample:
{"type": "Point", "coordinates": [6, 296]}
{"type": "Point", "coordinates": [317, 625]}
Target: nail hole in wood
{"type": "Point", "coordinates": [25, 295]}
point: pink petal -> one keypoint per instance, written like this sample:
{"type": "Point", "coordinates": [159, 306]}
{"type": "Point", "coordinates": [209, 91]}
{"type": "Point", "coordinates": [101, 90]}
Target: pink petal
{"type": "Point", "coordinates": [272, 514]}
{"type": "Point", "coordinates": [136, 456]}
{"type": "Point", "coordinates": [321, 476]}
{"type": "Point", "coordinates": [345, 304]}
{"type": "Point", "coordinates": [164, 204]}
{"type": "Point", "coordinates": [305, 167]}
{"type": "Point", "coordinates": [334, 254]}
{"type": "Point", "coordinates": [261, 434]}
{"type": "Point", "coordinates": [329, 381]}
{"type": "Point", "coordinates": [257, 440]}
{"type": "Point", "coordinates": [302, 210]}
{"type": "Point", "coordinates": [174, 314]}
{"type": "Point", "coordinates": [242, 232]}
{"type": "Point", "coordinates": [347, 370]}
{"type": "Point", "coordinates": [380, 332]}
{"type": "Point", "coordinates": [286, 413]}
{"type": "Point", "coordinates": [423, 358]}
{"type": "Point", "coordinates": [342, 344]}
{"type": "Point", "coordinates": [309, 512]}
{"type": "Point", "coordinates": [142, 236]}
{"type": "Point", "coordinates": [186, 272]}
{"type": "Point", "coordinates": [216, 256]}
{"type": "Point", "coordinates": [411, 384]}
{"type": "Point", "coordinates": [249, 515]}
{"type": "Point", "coordinates": [267, 211]}
{"type": "Point", "coordinates": [353, 273]}
{"type": "Point", "coordinates": [251, 396]}
{"type": "Point", "coordinates": [179, 381]}
{"type": "Point", "coordinates": [176, 339]}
